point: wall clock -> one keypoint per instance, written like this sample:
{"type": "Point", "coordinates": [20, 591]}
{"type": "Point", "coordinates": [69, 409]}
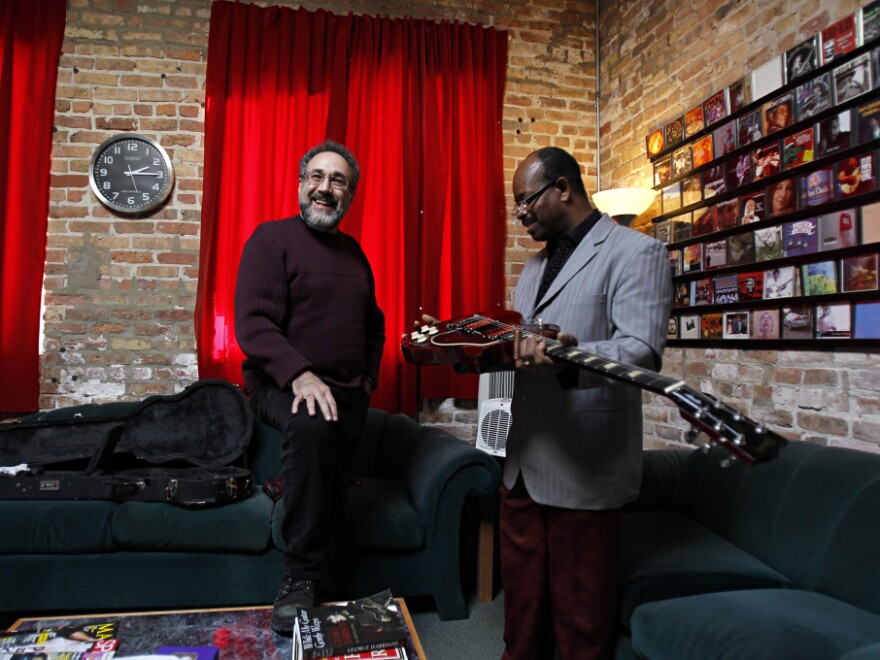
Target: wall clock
{"type": "Point", "coordinates": [131, 173]}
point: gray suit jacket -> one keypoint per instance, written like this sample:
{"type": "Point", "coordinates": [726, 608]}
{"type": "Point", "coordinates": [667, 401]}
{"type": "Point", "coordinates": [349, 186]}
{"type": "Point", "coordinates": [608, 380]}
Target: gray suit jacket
{"type": "Point", "coordinates": [580, 448]}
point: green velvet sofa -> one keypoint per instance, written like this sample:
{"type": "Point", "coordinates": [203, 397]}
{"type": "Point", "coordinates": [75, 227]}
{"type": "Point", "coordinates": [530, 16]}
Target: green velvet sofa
{"type": "Point", "coordinates": [775, 561]}
{"type": "Point", "coordinates": [404, 520]}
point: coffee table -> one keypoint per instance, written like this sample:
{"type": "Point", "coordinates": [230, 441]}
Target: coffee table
{"type": "Point", "coordinates": [241, 633]}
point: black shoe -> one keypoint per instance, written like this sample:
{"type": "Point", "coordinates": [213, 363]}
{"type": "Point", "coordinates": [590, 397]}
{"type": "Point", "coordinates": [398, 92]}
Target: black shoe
{"type": "Point", "coordinates": [292, 595]}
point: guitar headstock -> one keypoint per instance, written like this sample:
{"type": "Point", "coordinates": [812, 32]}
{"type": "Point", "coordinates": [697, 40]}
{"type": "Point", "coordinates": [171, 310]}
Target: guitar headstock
{"type": "Point", "coordinates": [745, 439]}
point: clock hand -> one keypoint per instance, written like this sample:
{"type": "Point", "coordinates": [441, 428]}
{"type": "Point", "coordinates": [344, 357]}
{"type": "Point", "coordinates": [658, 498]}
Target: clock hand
{"type": "Point", "coordinates": [140, 169]}
{"type": "Point", "coordinates": [147, 173]}
{"type": "Point", "coordinates": [131, 174]}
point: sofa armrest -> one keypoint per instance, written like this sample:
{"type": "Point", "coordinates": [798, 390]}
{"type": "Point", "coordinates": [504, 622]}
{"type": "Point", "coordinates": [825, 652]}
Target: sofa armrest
{"type": "Point", "coordinates": [661, 469]}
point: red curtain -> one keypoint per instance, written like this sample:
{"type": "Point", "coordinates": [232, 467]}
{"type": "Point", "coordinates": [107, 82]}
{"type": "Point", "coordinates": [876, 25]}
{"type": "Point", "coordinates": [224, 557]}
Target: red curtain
{"type": "Point", "coordinates": [31, 32]}
{"type": "Point", "coordinates": [419, 103]}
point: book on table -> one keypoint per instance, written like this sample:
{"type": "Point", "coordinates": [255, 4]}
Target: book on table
{"type": "Point", "coordinates": [363, 625]}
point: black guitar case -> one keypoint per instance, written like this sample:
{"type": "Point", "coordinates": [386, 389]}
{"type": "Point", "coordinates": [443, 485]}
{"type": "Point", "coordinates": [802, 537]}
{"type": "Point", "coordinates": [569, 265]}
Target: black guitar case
{"type": "Point", "coordinates": [185, 449]}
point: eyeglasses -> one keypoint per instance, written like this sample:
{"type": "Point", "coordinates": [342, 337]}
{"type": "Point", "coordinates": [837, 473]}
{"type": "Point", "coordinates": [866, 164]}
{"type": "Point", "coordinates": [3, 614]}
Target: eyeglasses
{"type": "Point", "coordinates": [521, 208]}
{"type": "Point", "coordinates": [337, 181]}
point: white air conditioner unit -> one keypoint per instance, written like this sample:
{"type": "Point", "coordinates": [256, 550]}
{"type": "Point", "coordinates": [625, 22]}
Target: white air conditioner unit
{"type": "Point", "coordinates": [493, 399]}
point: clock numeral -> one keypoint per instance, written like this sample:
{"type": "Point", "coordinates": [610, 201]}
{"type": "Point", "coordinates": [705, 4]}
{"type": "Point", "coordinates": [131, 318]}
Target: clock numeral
{"type": "Point", "coordinates": [132, 146]}
{"type": "Point", "coordinates": [130, 201]}
{"type": "Point", "coordinates": [106, 185]}
{"type": "Point", "coordinates": [108, 159]}
{"type": "Point", "coordinates": [115, 195]}
{"type": "Point", "coordinates": [155, 186]}
{"type": "Point", "coordinates": [157, 162]}
{"type": "Point", "coordinates": [145, 197]}
{"type": "Point", "coordinates": [103, 171]}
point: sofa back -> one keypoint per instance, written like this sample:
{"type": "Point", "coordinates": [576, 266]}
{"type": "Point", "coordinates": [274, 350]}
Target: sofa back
{"type": "Point", "coordinates": [813, 514]}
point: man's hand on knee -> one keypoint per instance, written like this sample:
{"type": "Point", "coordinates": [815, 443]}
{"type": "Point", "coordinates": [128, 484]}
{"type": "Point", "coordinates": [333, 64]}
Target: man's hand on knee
{"type": "Point", "coordinates": [316, 394]}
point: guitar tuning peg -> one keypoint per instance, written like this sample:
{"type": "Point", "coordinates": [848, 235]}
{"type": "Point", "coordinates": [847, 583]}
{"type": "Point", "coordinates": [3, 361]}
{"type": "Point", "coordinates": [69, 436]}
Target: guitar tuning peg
{"type": "Point", "coordinates": [691, 435]}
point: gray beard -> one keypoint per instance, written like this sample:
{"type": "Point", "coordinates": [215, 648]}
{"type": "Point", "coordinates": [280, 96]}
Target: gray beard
{"type": "Point", "coordinates": [320, 221]}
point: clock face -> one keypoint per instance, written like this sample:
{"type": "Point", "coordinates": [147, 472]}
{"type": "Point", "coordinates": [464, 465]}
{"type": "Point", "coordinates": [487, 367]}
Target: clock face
{"type": "Point", "coordinates": [131, 173]}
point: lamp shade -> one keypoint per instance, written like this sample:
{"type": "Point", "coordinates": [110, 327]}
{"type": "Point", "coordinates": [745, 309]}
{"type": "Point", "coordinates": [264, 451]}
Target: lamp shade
{"type": "Point", "coordinates": [624, 203]}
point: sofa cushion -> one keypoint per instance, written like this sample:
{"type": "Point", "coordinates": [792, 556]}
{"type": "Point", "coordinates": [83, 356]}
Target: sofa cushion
{"type": "Point", "coordinates": [379, 515]}
{"type": "Point", "coordinates": [56, 526]}
{"type": "Point", "coordinates": [666, 554]}
{"type": "Point", "coordinates": [760, 624]}
{"type": "Point", "coordinates": [240, 527]}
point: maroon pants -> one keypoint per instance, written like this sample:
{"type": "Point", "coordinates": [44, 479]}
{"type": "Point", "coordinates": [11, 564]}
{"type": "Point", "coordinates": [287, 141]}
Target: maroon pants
{"type": "Point", "coordinates": [559, 571]}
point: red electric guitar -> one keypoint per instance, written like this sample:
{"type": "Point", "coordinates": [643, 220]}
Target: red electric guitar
{"type": "Point", "coordinates": [480, 343]}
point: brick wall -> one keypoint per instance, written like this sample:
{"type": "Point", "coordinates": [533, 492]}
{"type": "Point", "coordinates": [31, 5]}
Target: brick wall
{"type": "Point", "coordinates": [120, 293]}
{"type": "Point", "coordinates": [657, 59]}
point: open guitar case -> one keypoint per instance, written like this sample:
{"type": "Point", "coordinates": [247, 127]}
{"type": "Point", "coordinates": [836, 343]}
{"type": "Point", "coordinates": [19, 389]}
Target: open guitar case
{"type": "Point", "coordinates": [185, 449]}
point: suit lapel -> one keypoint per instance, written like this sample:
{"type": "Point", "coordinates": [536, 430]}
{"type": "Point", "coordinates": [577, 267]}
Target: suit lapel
{"type": "Point", "coordinates": [585, 252]}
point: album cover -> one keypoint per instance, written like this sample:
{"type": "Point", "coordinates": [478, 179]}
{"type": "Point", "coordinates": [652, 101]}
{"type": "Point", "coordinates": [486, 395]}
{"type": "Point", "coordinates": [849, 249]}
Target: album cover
{"type": "Point", "coordinates": [680, 228]}
{"type": "Point", "coordinates": [661, 231]}
{"type": "Point", "coordinates": [867, 321]}
{"type": "Point", "coordinates": [726, 214]}
{"type": "Point", "coordinates": [740, 249]}
{"type": "Point", "coordinates": [837, 230]}
{"type": "Point", "coordinates": [738, 170]}
{"type": "Point", "coordinates": [713, 181]}
{"type": "Point", "coordinates": [675, 262]}
{"type": "Point", "coordinates": [839, 38]}
{"type": "Point", "coordinates": [767, 78]}
{"type": "Point", "coordinates": [818, 279]}
{"type": "Point", "coordinates": [715, 254]}
{"type": "Point", "coordinates": [765, 324]}
{"type": "Point", "coordinates": [834, 321]}
{"type": "Point", "coordinates": [852, 78]}
{"type": "Point", "coordinates": [736, 325]}
{"type": "Point", "coordinates": [724, 139]}
{"type": "Point", "coordinates": [671, 195]}
{"type": "Point", "coordinates": [705, 222]}
{"type": "Point", "coordinates": [702, 150]}
{"type": "Point", "coordinates": [681, 295]}
{"type": "Point", "coordinates": [802, 59]}
{"type": "Point", "coordinates": [833, 134]}
{"type": "Point", "coordinates": [674, 132]}
{"type": "Point", "coordinates": [859, 273]}
{"type": "Point", "coordinates": [690, 326]}
{"type": "Point", "coordinates": [752, 208]}
{"type": "Point", "coordinates": [751, 285]}
{"type": "Point", "coordinates": [662, 171]}
{"type": "Point", "coordinates": [711, 325]}
{"type": "Point", "coordinates": [797, 149]}
{"type": "Point", "coordinates": [655, 142]}
{"type": "Point", "coordinates": [867, 122]}
{"type": "Point", "coordinates": [682, 161]}
{"type": "Point", "coordinates": [693, 121]}
{"type": "Point", "coordinates": [701, 291]}
{"type": "Point", "coordinates": [715, 108]}
{"type": "Point", "coordinates": [816, 187]}
{"type": "Point", "coordinates": [739, 94]}
{"type": "Point", "coordinates": [870, 224]}
{"type": "Point", "coordinates": [782, 198]}
{"type": "Point", "coordinates": [766, 160]}
{"type": "Point", "coordinates": [768, 243]}
{"type": "Point", "coordinates": [692, 258]}
{"type": "Point", "coordinates": [779, 283]}
{"type": "Point", "coordinates": [691, 190]}
{"type": "Point", "coordinates": [778, 113]}
{"type": "Point", "coordinates": [726, 289]}
{"type": "Point", "coordinates": [672, 327]}
{"type": "Point", "coordinates": [797, 322]}
{"type": "Point", "coordinates": [750, 127]}
{"type": "Point", "coordinates": [856, 175]}
{"type": "Point", "coordinates": [813, 96]}
{"type": "Point", "coordinates": [800, 237]}
{"type": "Point", "coordinates": [870, 22]}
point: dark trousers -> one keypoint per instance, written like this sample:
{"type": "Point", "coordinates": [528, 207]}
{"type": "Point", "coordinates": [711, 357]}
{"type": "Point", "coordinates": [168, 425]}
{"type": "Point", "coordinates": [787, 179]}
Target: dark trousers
{"type": "Point", "coordinates": [559, 571]}
{"type": "Point", "coordinates": [315, 464]}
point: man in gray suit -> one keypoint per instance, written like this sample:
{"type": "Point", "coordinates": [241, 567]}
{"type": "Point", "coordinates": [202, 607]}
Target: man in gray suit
{"type": "Point", "coordinates": [574, 449]}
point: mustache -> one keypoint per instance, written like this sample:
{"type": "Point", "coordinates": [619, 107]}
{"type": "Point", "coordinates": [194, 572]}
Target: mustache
{"type": "Point", "coordinates": [329, 198]}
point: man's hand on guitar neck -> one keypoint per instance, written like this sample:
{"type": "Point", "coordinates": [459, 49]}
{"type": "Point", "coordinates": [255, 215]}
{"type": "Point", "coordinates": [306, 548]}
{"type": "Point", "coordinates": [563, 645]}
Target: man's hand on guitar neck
{"type": "Point", "coordinates": [529, 352]}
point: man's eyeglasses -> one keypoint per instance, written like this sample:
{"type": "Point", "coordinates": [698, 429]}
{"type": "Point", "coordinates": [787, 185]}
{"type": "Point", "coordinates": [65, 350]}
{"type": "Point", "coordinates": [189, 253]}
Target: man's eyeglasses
{"type": "Point", "coordinates": [337, 181]}
{"type": "Point", "coordinates": [521, 207]}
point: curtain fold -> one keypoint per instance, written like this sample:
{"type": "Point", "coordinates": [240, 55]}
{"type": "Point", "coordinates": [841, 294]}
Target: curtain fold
{"type": "Point", "coordinates": [419, 104]}
{"type": "Point", "coordinates": [31, 34]}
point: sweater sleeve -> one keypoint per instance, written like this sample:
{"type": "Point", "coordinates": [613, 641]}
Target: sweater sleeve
{"type": "Point", "coordinates": [375, 337]}
{"type": "Point", "coordinates": [260, 295]}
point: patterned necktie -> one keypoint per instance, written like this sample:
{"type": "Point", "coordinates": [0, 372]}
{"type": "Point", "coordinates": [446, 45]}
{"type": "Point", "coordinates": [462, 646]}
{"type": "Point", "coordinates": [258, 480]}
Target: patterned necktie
{"type": "Point", "coordinates": [563, 251]}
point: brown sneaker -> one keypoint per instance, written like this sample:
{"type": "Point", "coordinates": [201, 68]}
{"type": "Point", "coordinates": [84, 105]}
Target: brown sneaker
{"type": "Point", "coordinates": [292, 595]}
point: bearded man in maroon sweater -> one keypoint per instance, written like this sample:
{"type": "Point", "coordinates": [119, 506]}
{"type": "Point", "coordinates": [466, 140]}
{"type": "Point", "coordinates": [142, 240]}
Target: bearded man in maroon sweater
{"type": "Point", "coordinates": [307, 320]}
